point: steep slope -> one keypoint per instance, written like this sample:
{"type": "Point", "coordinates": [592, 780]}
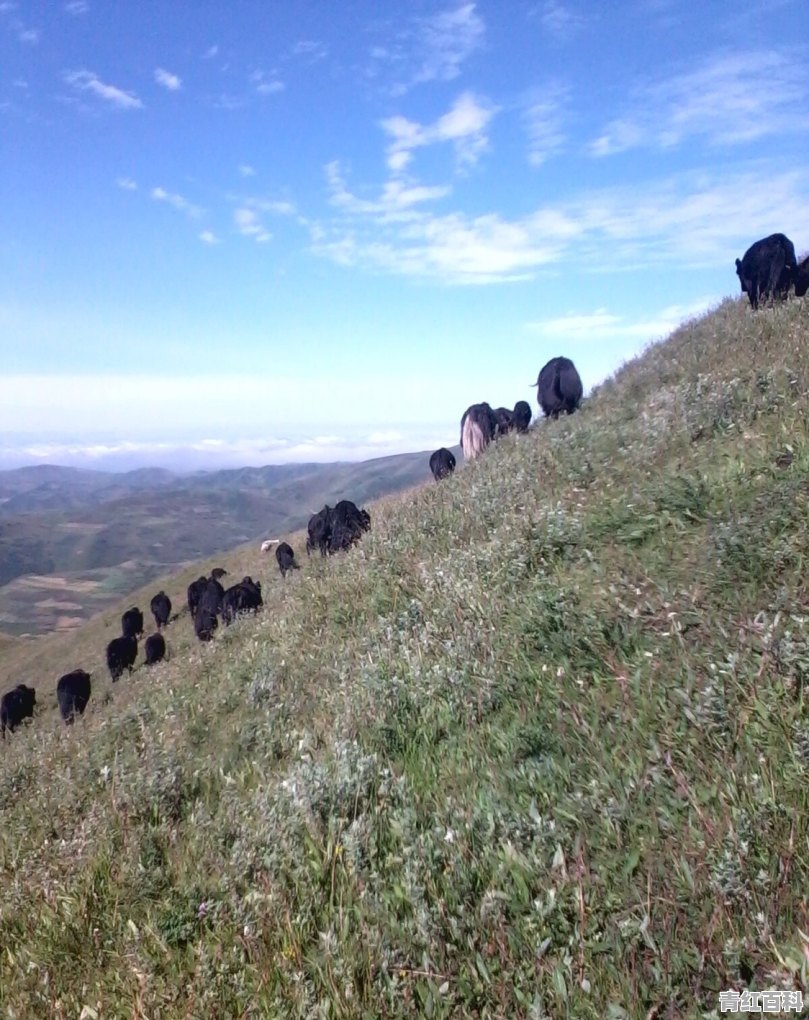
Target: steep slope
{"type": "Point", "coordinates": [536, 747]}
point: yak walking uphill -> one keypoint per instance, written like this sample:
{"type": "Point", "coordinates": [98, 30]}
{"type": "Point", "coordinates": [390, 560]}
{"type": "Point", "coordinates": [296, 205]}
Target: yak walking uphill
{"type": "Point", "coordinates": [15, 706]}
{"type": "Point", "coordinates": [244, 597]}
{"type": "Point", "coordinates": [767, 269]}
{"type": "Point", "coordinates": [521, 416]}
{"type": "Point", "coordinates": [332, 530]}
{"type": "Point", "coordinates": [504, 417]}
{"type": "Point", "coordinates": [517, 420]}
{"type": "Point", "coordinates": [73, 693]}
{"type": "Point", "coordinates": [285, 557]}
{"type": "Point", "coordinates": [478, 429]}
{"type": "Point", "coordinates": [442, 463]}
{"type": "Point", "coordinates": [132, 623]}
{"type": "Point", "coordinates": [121, 655]}
{"type": "Point", "coordinates": [480, 425]}
{"type": "Point", "coordinates": [559, 388]}
{"type": "Point", "coordinates": [208, 610]}
{"type": "Point", "coordinates": [802, 277]}
{"type": "Point", "coordinates": [161, 609]}
{"type": "Point", "coordinates": [155, 649]}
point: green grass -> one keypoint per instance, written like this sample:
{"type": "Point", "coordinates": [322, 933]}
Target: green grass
{"type": "Point", "coordinates": [538, 747]}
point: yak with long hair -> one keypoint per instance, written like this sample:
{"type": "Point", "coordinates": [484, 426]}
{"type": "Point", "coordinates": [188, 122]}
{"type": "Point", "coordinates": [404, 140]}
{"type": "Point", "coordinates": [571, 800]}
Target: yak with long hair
{"type": "Point", "coordinates": [478, 429]}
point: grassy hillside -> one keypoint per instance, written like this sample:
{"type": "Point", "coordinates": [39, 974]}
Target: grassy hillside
{"type": "Point", "coordinates": [73, 542]}
{"type": "Point", "coordinates": [537, 748]}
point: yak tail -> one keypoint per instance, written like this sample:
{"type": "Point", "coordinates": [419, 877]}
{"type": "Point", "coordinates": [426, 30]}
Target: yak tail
{"type": "Point", "coordinates": [472, 439]}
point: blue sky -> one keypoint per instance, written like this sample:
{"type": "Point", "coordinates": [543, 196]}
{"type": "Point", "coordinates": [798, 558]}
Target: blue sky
{"type": "Point", "coordinates": [263, 232]}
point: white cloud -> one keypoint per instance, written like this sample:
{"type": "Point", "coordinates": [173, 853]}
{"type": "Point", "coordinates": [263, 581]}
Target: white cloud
{"type": "Point", "coordinates": [25, 35]}
{"type": "Point", "coordinates": [448, 39]}
{"type": "Point", "coordinates": [311, 49]}
{"type": "Point", "coordinates": [247, 171]}
{"type": "Point", "coordinates": [248, 223]}
{"type": "Point", "coordinates": [86, 81]}
{"type": "Point", "coordinates": [77, 7]}
{"type": "Point", "coordinates": [176, 201]}
{"type": "Point", "coordinates": [268, 88]}
{"type": "Point", "coordinates": [431, 48]}
{"type": "Point", "coordinates": [602, 325]}
{"type": "Point", "coordinates": [732, 98]}
{"type": "Point", "coordinates": [689, 220]}
{"type": "Point", "coordinates": [396, 196]}
{"type": "Point", "coordinates": [543, 119]}
{"type": "Point", "coordinates": [211, 52]}
{"type": "Point", "coordinates": [559, 20]}
{"type": "Point", "coordinates": [249, 213]}
{"type": "Point", "coordinates": [167, 79]}
{"type": "Point", "coordinates": [267, 85]}
{"type": "Point", "coordinates": [127, 184]}
{"type": "Point", "coordinates": [452, 248]}
{"type": "Point", "coordinates": [276, 207]}
{"type": "Point", "coordinates": [229, 102]}
{"type": "Point", "coordinates": [619, 136]}
{"type": "Point", "coordinates": [208, 237]}
{"type": "Point", "coordinates": [464, 125]}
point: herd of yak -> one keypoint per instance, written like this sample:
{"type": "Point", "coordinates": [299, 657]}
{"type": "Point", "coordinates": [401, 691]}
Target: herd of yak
{"type": "Point", "coordinates": [767, 271]}
{"type": "Point", "coordinates": [330, 530]}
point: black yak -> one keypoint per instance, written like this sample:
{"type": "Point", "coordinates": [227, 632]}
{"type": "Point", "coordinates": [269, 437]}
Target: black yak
{"type": "Point", "coordinates": [155, 649]}
{"type": "Point", "coordinates": [442, 463]}
{"type": "Point", "coordinates": [767, 268]}
{"type": "Point", "coordinates": [195, 590]}
{"type": "Point", "coordinates": [132, 623]}
{"type": "Point", "coordinates": [331, 530]}
{"type": "Point", "coordinates": [244, 597]}
{"type": "Point", "coordinates": [161, 609]}
{"type": "Point", "coordinates": [208, 609]}
{"type": "Point", "coordinates": [319, 531]}
{"type": "Point", "coordinates": [801, 277]}
{"type": "Point", "coordinates": [348, 523]}
{"type": "Point", "coordinates": [505, 421]}
{"type": "Point", "coordinates": [285, 556]}
{"type": "Point", "coordinates": [521, 415]}
{"type": "Point", "coordinates": [121, 655]}
{"type": "Point", "coordinates": [16, 705]}
{"type": "Point", "coordinates": [559, 387]}
{"type": "Point", "coordinates": [73, 693]}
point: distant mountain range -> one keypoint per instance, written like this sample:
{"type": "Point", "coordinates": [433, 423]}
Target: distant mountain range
{"type": "Point", "coordinates": [91, 536]}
